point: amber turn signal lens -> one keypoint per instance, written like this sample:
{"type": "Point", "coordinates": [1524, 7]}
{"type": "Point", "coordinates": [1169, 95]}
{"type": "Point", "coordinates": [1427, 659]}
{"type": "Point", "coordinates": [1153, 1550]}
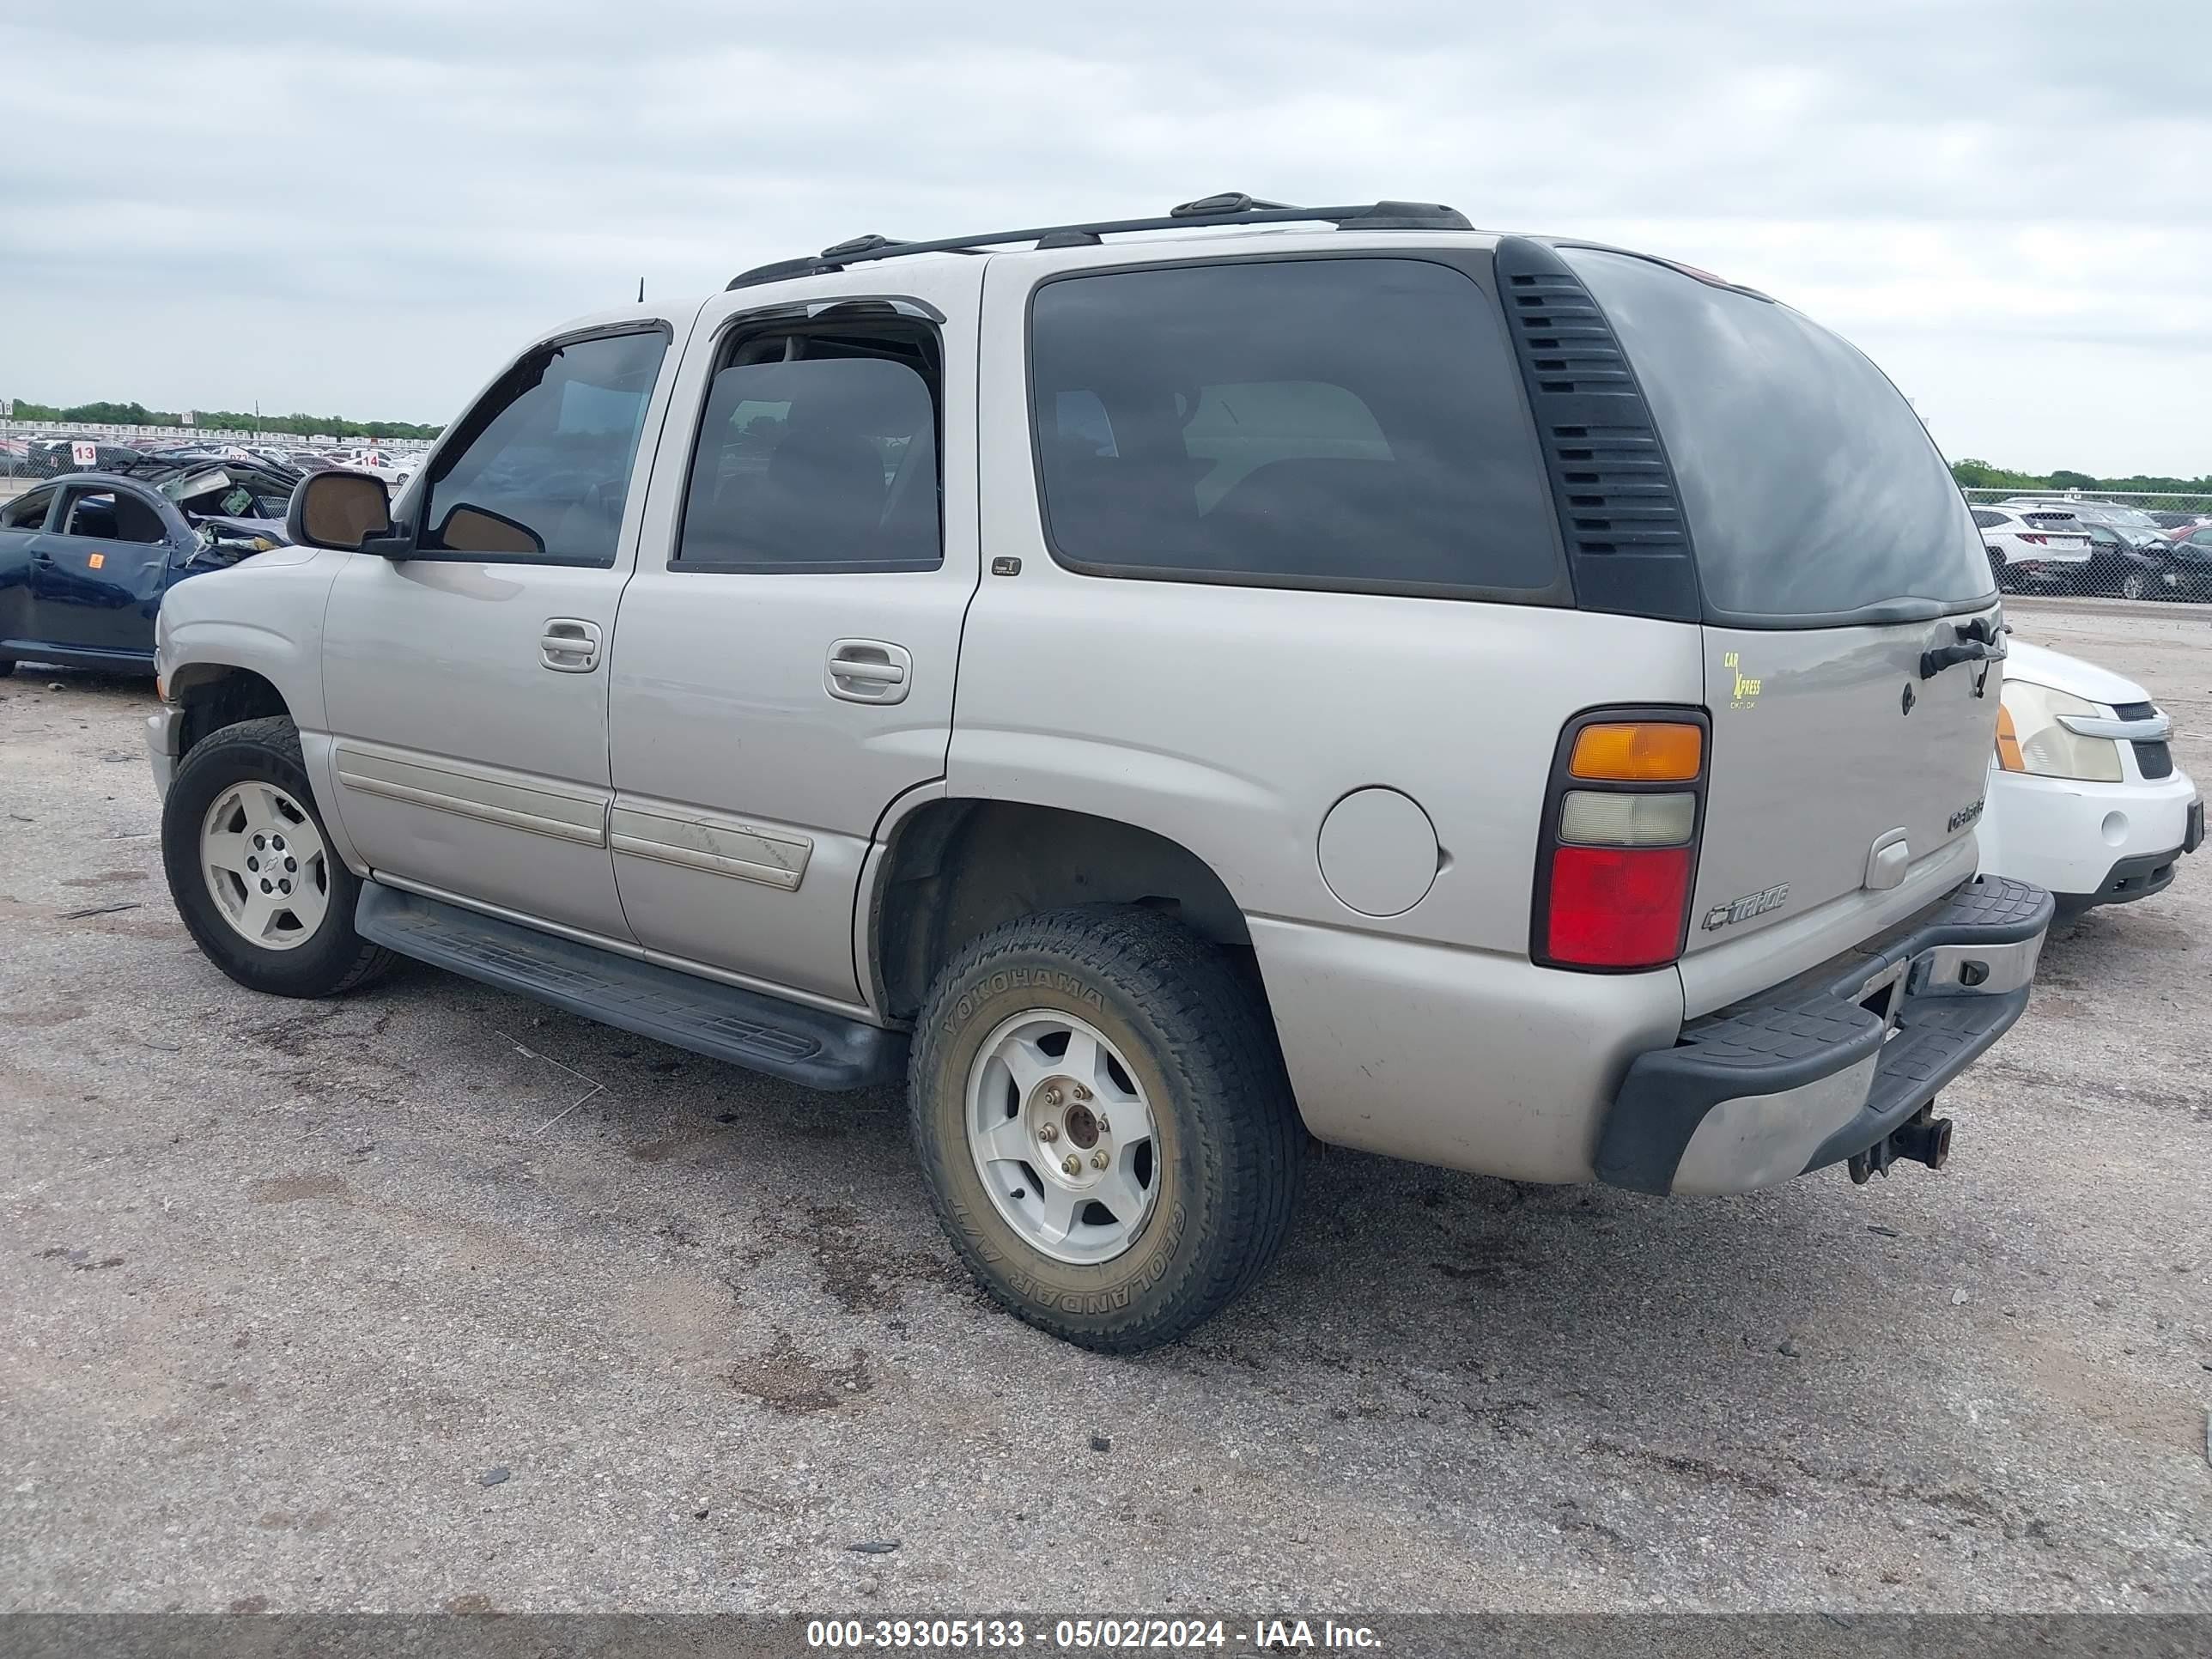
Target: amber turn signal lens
{"type": "Point", "coordinates": [2008, 755]}
{"type": "Point", "coordinates": [1640, 751]}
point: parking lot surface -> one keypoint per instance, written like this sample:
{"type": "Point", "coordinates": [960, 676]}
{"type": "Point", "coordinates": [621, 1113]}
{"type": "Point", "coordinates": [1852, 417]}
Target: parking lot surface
{"type": "Point", "coordinates": [432, 1298]}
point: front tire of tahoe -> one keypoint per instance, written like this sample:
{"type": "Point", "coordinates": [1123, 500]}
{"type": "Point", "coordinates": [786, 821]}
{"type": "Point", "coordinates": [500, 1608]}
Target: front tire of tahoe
{"type": "Point", "coordinates": [251, 871]}
{"type": "Point", "coordinates": [1102, 1114]}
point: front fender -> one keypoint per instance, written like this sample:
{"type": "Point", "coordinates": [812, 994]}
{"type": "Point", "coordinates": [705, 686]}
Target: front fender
{"type": "Point", "coordinates": [263, 615]}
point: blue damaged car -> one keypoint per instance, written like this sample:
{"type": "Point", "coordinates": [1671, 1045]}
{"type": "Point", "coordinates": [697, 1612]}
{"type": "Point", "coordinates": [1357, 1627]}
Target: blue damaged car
{"type": "Point", "coordinates": [85, 558]}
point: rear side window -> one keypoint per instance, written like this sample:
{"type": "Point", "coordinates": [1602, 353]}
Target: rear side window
{"type": "Point", "coordinates": [1351, 422]}
{"type": "Point", "coordinates": [1987, 520]}
{"type": "Point", "coordinates": [1811, 487]}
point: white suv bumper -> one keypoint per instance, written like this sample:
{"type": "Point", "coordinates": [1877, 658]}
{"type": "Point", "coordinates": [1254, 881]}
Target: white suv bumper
{"type": "Point", "coordinates": [2087, 843]}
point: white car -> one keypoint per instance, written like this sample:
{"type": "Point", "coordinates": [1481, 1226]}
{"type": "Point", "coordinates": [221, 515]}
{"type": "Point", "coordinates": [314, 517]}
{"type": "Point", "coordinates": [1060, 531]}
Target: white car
{"type": "Point", "coordinates": [2084, 796]}
{"type": "Point", "coordinates": [2032, 548]}
{"type": "Point", "coordinates": [2136, 527]}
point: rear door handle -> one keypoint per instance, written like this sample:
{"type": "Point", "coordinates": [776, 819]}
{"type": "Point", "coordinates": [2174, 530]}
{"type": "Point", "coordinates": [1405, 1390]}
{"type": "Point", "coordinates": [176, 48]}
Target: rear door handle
{"type": "Point", "coordinates": [869, 670]}
{"type": "Point", "coordinates": [569, 646]}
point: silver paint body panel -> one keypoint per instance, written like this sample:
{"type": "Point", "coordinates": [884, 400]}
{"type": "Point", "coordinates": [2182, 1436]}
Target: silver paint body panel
{"type": "Point", "coordinates": [1816, 761]}
{"type": "Point", "coordinates": [722, 704]}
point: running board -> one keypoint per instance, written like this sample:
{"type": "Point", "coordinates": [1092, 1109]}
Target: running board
{"type": "Point", "coordinates": [790, 1040]}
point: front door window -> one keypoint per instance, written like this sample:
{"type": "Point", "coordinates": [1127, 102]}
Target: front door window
{"type": "Point", "coordinates": [540, 471]}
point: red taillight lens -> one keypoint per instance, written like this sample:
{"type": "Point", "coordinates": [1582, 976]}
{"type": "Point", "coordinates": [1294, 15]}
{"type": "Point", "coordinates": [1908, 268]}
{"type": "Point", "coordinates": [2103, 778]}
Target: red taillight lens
{"type": "Point", "coordinates": [1617, 868]}
{"type": "Point", "coordinates": [2040, 541]}
{"type": "Point", "coordinates": [1617, 907]}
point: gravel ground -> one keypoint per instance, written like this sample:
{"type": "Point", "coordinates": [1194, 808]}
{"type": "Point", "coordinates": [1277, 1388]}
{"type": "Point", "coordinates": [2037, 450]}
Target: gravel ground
{"type": "Point", "coordinates": [430, 1298]}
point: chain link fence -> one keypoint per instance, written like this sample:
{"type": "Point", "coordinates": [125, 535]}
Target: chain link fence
{"type": "Point", "coordinates": [2116, 543]}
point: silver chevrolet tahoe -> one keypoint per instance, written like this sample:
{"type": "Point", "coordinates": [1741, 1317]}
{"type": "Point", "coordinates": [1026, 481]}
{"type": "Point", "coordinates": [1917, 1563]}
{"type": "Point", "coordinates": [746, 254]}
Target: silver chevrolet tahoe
{"type": "Point", "coordinates": [1163, 690]}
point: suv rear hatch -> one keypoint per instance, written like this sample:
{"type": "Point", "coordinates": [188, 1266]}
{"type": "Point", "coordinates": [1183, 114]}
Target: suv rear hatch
{"type": "Point", "coordinates": [2059, 531]}
{"type": "Point", "coordinates": [1848, 616]}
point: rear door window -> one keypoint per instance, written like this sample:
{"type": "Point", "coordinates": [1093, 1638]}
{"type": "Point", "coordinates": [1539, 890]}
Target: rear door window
{"type": "Point", "coordinates": [820, 462]}
{"type": "Point", "coordinates": [1813, 491]}
{"type": "Point", "coordinates": [1351, 423]}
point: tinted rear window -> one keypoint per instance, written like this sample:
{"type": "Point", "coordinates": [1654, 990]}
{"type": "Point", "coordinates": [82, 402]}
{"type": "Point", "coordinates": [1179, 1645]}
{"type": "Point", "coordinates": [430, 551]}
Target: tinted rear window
{"type": "Point", "coordinates": [1341, 423]}
{"type": "Point", "coordinates": [1811, 487]}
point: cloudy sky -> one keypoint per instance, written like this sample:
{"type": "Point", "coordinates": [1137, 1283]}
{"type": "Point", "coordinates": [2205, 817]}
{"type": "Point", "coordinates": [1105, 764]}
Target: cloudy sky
{"type": "Point", "coordinates": [358, 207]}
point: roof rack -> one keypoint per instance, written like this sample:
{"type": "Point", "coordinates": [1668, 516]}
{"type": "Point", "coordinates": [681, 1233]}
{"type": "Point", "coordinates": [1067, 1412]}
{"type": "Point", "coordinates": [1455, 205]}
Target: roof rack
{"type": "Point", "coordinates": [1229, 208]}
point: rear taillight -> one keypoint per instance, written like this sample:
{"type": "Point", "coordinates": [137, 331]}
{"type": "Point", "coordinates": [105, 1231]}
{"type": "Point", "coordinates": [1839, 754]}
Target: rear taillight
{"type": "Point", "coordinates": [2040, 541]}
{"type": "Point", "coordinates": [1618, 855]}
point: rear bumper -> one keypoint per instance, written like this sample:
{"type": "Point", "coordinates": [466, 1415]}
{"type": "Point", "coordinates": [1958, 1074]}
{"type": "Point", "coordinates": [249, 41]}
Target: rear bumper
{"type": "Point", "coordinates": [1826, 1066]}
{"type": "Point", "coordinates": [2052, 574]}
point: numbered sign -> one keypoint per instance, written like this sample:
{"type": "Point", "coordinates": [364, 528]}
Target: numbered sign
{"type": "Point", "coordinates": [84, 454]}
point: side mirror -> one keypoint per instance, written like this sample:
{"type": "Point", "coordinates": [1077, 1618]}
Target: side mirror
{"type": "Point", "coordinates": [341, 510]}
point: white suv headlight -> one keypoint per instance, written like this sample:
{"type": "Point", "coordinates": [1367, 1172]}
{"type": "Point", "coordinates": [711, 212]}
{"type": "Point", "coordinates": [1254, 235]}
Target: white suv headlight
{"type": "Point", "coordinates": [2030, 739]}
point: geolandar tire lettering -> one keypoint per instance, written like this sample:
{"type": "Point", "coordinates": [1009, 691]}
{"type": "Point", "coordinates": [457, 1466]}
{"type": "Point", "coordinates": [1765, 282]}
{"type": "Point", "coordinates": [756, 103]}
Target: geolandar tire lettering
{"type": "Point", "coordinates": [1100, 1109]}
{"type": "Point", "coordinates": [272, 909]}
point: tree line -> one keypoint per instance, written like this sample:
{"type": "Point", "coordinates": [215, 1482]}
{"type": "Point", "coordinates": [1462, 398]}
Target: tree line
{"type": "Point", "coordinates": [1981, 475]}
{"type": "Point", "coordinates": [223, 419]}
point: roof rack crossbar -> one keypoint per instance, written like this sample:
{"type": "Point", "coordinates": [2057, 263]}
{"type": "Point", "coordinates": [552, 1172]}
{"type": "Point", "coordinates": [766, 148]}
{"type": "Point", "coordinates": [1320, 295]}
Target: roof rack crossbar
{"type": "Point", "coordinates": [1371, 215]}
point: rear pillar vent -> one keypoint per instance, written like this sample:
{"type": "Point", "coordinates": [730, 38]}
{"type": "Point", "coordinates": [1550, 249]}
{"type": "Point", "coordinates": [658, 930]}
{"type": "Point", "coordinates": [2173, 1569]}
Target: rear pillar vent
{"type": "Point", "coordinates": [1619, 509]}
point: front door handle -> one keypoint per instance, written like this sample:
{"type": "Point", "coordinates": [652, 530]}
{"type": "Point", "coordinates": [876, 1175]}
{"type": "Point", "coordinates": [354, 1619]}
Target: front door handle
{"type": "Point", "coordinates": [569, 646]}
{"type": "Point", "coordinates": [869, 670]}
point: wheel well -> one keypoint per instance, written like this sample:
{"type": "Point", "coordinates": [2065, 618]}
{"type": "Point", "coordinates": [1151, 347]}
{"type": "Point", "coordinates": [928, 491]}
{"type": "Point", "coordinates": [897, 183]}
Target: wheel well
{"type": "Point", "coordinates": [959, 868]}
{"type": "Point", "coordinates": [213, 697]}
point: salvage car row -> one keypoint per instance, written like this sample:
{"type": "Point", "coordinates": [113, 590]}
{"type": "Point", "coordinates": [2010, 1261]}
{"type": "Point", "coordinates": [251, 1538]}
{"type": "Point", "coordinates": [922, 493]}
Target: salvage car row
{"type": "Point", "coordinates": [2052, 544]}
{"type": "Point", "coordinates": [50, 457]}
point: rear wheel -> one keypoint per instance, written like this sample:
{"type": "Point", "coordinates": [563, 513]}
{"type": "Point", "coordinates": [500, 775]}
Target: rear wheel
{"type": "Point", "coordinates": [2000, 571]}
{"type": "Point", "coordinates": [1100, 1110]}
{"type": "Point", "coordinates": [251, 871]}
{"type": "Point", "coordinates": [7, 666]}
